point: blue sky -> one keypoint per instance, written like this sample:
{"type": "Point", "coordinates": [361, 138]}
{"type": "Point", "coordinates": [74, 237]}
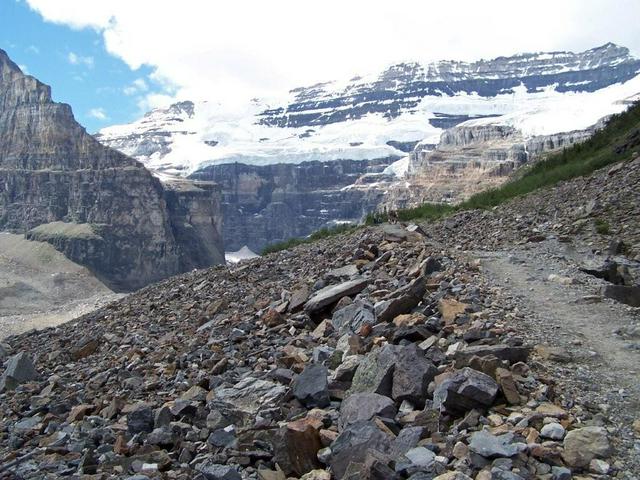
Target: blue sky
{"type": "Point", "coordinates": [76, 65]}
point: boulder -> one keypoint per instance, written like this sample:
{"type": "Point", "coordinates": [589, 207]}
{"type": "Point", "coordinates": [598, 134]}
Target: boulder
{"type": "Point", "coordinates": [216, 471]}
{"type": "Point", "coordinates": [296, 446]}
{"type": "Point", "coordinates": [495, 446]}
{"type": "Point", "coordinates": [140, 418]}
{"type": "Point", "coordinates": [411, 376]}
{"type": "Point", "coordinates": [401, 301]}
{"type": "Point", "coordinates": [365, 406]}
{"type": "Point", "coordinates": [375, 372]}
{"type": "Point", "coordinates": [331, 294]}
{"type": "Point", "coordinates": [584, 444]}
{"type": "Point", "coordinates": [501, 352]}
{"type": "Point", "coordinates": [20, 369]}
{"type": "Point", "coordinates": [629, 294]}
{"type": "Point", "coordinates": [311, 387]}
{"type": "Point", "coordinates": [352, 317]}
{"type": "Point", "coordinates": [355, 443]}
{"type": "Point", "coordinates": [418, 459]}
{"type": "Point", "coordinates": [465, 390]}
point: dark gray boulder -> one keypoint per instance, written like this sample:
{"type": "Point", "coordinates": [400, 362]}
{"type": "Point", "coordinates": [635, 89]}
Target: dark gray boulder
{"type": "Point", "coordinates": [352, 317]}
{"type": "Point", "coordinates": [464, 390]}
{"type": "Point", "coordinates": [216, 471]}
{"type": "Point", "coordinates": [331, 294]}
{"type": "Point", "coordinates": [401, 301]}
{"type": "Point", "coordinates": [354, 444]}
{"type": "Point", "coordinates": [411, 376]}
{"type": "Point", "coordinates": [365, 406]}
{"type": "Point", "coordinates": [311, 387]}
{"type": "Point", "coordinates": [20, 369]}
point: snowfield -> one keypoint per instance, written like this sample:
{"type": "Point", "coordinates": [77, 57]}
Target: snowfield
{"type": "Point", "coordinates": [179, 141]}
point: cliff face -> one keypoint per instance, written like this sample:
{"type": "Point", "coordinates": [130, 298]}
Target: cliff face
{"type": "Point", "coordinates": [470, 158]}
{"type": "Point", "coordinates": [101, 208]}
{"type": "Point", "coordinates": [267, 204]}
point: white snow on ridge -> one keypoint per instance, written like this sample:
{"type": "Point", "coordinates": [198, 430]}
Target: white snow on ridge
{"type": "Point", "coordinates": [241, 139]}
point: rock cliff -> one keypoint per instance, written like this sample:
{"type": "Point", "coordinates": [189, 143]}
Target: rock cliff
{"type": "Point", "coordinates": [99, 207]}
{"type": "Point", "coordinates": [470, 158]}
{"type": "Point", "coordinates": [271, 203]}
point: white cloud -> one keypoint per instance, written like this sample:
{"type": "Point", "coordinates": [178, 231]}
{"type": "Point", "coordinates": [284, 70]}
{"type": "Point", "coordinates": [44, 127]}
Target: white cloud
{"type": "Point", "coordinates": [75, 59]}
{"type": "Point", "coordinates": [137, 86]}
{"type": "Point", "coordinates": [33, 49]}
{"type": "Point", "coordinates": [98, 113]}
{"type": "Point", "coordinates": [245, 48]}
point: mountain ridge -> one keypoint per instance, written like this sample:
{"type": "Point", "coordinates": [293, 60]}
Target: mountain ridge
{"type": "Point", "coordinates": [101, 208]}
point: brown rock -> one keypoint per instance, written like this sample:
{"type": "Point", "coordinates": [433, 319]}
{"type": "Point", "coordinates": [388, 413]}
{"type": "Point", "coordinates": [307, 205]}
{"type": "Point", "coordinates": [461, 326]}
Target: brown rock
{"type": "Point", "coordinates": [409, 320]}
{"type": "Point", "coordinates": [79, 412]}
{"type": "Point", "coordinates": [508, 386]}
{"type": "Point", "coordinates": [272, 318]}
{"type": "Point", "coordinates": [297, 454]}
{"type": "Point", "coordinates": [450, 309]}
{"type": "Point", "coordinates": [85, 348]}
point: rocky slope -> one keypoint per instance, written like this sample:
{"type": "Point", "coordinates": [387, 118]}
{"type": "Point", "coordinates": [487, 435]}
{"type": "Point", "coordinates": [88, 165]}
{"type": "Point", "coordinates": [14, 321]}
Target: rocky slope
{"type": "Point", "coordinates": [40, 287]}
{"type": "Point", "coordinates": [99, 207]}
{"type": "Point", "coordinates": [539, 101]}
{"type": "Point", "coordinates": [385, 353]}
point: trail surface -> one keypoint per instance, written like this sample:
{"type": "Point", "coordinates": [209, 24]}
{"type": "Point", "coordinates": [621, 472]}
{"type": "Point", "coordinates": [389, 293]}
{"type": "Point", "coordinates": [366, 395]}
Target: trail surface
{"type": "Point", "coordinates": [594, 343]}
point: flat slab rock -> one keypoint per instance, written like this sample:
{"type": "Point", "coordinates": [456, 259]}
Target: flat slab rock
{"type": "Point", "coordinates": [331, 294]}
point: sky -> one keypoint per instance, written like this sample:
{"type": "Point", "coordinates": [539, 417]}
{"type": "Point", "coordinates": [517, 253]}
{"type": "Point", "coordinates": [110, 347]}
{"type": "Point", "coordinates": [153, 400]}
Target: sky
{"type": "Point", "coordinates": [112, 60]}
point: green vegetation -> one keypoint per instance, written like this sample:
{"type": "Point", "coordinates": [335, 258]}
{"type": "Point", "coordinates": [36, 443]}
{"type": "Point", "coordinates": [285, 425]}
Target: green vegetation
{"type": "Point", "coordinates": [602, 226]}
{"type": "Point", "coordinates": [617, 142]}
{"type": "Point", "coordinates": [317, 235]}
{"type": "Point", "coordinates": [65, 230]}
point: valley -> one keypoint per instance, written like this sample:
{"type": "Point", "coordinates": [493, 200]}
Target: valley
{"type": "Point", "coordinates": [483, 323]}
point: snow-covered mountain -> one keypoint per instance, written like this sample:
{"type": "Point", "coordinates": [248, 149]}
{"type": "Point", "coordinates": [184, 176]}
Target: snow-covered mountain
{"type": "Point", "coordinates": [385, 114]}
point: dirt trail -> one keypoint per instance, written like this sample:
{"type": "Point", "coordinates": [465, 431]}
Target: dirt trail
{"type": "Point", "coordinates": [600, 339]}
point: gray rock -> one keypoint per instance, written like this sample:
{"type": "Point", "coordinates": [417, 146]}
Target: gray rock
{"type": "Point", "coordinates": [216, 471]}
{"type": "Point", "coordinates": [161, 436]}
{"type": "Point", "coordinates": [375, 372]}
{"type": "Point", "coordinates": [355, 443]}
{"type": "Point", "coordinates": [584, 444]}
{"type": "Point", "coordinates": [140, 419]}
{"type": "Point", "coordinates": [465, 390]}
{"type": "Point", "coordinates": [411, 376]}
{"type": "Point", "coordinates": [311, 387]}
{"type": "Point", "coordinates": [401, 301]}
{"type": "Point", "coordinates": [365, 406]}
{"type": "Point", "coordinates": [560, 473]}
{"type": "Point", "coordinates": [352, 317]}
{"type": "Point", "coordinates": [331, 294]}
{"type": "Point", "coordinates": [554, 431]}
{"type": "Point", "coordinates": [418, 459]}
{"type": "Point", "coordinates": [629, 294]}
{"type": "Point", "coordinates": [20, 369]}
{"type": "Point", "coordinates": [494, 446]}
{"type": "Point", "coordinates": [347, 271]}
{"type": "Point", "coordinates": [223, 437]}
{"type": "Point", "coordinates": [251, 394]}
{"type": "Point", "coordinates": [502, 352]}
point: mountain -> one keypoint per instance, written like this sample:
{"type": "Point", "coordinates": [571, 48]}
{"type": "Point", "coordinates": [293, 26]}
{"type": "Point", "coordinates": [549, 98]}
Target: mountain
{"type": "Point", "coordinates": [101, 208]}
{"type": "Point", "coordinates": [375, 121]}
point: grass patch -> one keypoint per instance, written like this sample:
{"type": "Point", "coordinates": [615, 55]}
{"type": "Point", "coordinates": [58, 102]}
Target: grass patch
{"type": "Point", "coordinates": [616, 142]}
{"type": "Point", "coordinates": [602, 226]}
{"type": "Point", "coordinates": [317, 235]}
